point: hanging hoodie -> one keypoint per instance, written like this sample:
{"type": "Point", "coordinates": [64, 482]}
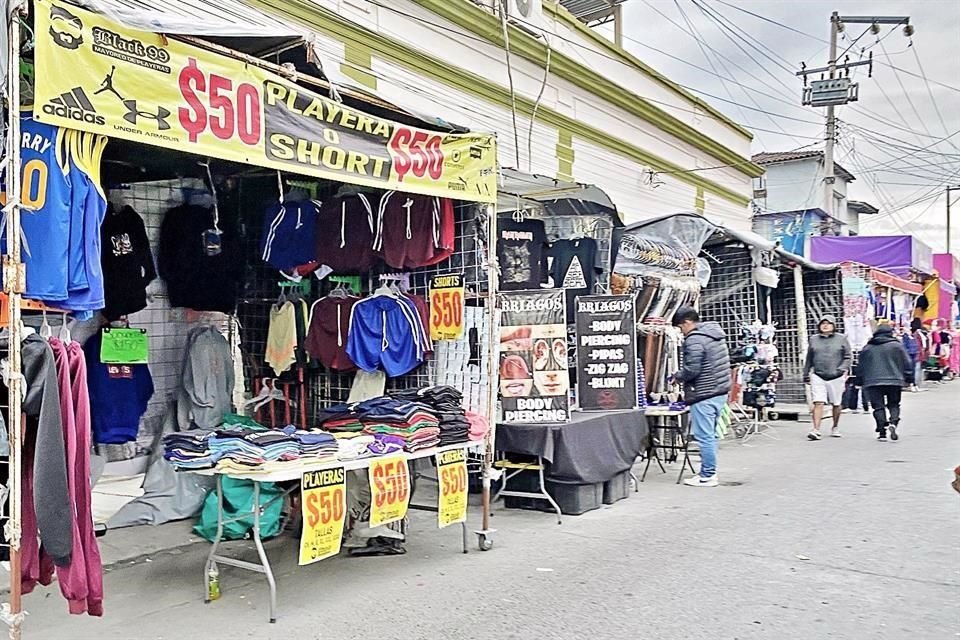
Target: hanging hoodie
{"type": "Point", "coordinates": [206, 383]}
{"type": "Point", "coordinates": [127, 262]}
{"type": "Point", "coordinates": [45, 494]}
{"type": "Point", "coordinates": [198, 278]}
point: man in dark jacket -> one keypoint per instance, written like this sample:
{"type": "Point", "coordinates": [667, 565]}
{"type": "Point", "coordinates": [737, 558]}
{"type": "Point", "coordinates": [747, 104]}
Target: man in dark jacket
{"type": "Point", "coordinates": [886, 369]}
{"type": "Point", "coordinates": [828, 362]}
{"type": "Point", "coordinates": [706, 382]}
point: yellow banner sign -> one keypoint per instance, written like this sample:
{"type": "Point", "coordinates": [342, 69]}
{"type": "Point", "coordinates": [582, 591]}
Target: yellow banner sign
{"type": "Point", "coordinates": [389, 490]}
{"type": "Point", "coordinates": [97, 75]}
{"type": "Point", "coordinates": [323, 503]}
{"type": "Point", "coordinates": [446, 307]}
{"type": "Point", "coordinates": [452, 473]}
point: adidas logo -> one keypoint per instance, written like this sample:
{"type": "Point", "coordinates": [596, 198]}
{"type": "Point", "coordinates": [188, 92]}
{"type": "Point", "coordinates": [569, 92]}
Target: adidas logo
{"type": "Point", "coordinates": [75, 105]}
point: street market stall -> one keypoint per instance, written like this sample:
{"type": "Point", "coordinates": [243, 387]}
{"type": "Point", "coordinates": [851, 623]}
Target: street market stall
{"type": "Point", "coordinates": [314, 334]}
{"type": "Point", "coordinates": [569, 428]}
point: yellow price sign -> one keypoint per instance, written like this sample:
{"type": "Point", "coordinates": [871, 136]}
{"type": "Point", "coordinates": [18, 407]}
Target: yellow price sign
{"type": "Point", "coordinates": [324, 506]}
{"type": "Point", "coordinates": [389, 490]}
{"type": "Point", "coordinates": [452, 473]}
{"type": "Point", "coordinates": [446, 307]}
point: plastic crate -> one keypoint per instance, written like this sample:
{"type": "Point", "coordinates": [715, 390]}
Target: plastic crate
{"type": "Point", "coordinates": [573, 499]}
{"type": "Point", "coordinates": [617, 488]}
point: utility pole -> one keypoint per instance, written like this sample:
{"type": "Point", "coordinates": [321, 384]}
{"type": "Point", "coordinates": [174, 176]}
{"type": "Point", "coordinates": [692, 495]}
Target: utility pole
{"type": "Point", "coordinates": [949, 189]}
{"type": "Point", "coordinates": [834, 90]}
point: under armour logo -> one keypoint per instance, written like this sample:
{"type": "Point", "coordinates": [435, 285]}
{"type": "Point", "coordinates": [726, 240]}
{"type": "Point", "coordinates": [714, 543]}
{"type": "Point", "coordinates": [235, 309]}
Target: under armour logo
{"type": "Point", "coordinates": [134, 114]}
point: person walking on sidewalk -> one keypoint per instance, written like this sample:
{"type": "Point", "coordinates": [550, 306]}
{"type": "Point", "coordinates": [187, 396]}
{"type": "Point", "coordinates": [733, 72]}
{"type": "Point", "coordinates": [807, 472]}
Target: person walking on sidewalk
{"type": "Point", "coordinates": [886, 368]}
{"type": "Point", "coordinates": [915, 341]}
{"type": "Point", "coordinates": [828, 362]}
{"type": "Point", "coordinates": [706, 382]}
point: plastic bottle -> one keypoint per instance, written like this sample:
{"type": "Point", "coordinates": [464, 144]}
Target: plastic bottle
{"type": "Point", "coordinates": [213, 584]}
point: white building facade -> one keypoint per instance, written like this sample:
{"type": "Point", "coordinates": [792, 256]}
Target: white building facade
{"type": "Point", "coordinates": [580, 107]}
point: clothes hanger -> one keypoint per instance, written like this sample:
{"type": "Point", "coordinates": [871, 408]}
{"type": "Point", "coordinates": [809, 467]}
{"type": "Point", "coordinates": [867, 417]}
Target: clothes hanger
{"type": "Point", "coordinates": [46, 332]}
{"type": "Point", "coordinates": [65, 336]}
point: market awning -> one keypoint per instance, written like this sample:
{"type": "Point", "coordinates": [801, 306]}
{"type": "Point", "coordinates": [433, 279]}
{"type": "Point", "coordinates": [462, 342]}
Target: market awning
{"type": "Point", "coordinates": [895, 282]}
{"type": "Point", "coordinates": [227, 18]}
{"type": "Point", "coordinates": [555, 196]}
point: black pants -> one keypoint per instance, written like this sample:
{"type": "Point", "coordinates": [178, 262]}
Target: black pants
{"type": "Point", "coordinates": [886, 405]}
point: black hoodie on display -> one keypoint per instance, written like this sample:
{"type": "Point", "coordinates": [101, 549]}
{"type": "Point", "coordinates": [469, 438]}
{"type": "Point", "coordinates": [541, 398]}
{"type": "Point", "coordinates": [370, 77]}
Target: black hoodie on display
{"type": "Point", "coordinates": [884, 362]}
{"type": "Point", "coordinates": [127, 262]}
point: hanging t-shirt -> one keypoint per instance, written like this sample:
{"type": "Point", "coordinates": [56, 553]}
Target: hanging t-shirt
{"type": "Point", "coordinates": [345, 234]}
{"type": "Point", "coordinates": [89, 207]}
{"type": "Point", "coordinates": [329, 331]}
{"type": "Point", "coordinates": [118, 396]}
{"type": "Point", "coordinates": [521, 253]}
{"type": "Point", "coordinates": [413, 230]}
{"type": "Point", "coordinates": [45, 218]}
{"type": "Point", "coordinates": [281, 350]}
{"type": "Point", "coordinates": [127, 262]}
{"type": "Point", "coordinates": [573, 267]}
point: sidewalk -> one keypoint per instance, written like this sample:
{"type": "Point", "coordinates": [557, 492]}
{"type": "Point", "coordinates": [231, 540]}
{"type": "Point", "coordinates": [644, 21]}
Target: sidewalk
{"type": "Point", "coordinates": [843, 538]}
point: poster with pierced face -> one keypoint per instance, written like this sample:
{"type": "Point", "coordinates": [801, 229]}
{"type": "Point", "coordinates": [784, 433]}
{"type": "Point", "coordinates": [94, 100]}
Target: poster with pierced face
{"type": "Point", "coordinates": [534, 381]}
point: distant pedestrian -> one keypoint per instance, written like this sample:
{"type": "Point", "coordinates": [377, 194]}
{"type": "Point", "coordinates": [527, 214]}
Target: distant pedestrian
{"type": "Point", "coordinates": [706, 382]}
{"type": "Point", "coordinates": [915, 342]}
{"type": "Point", "coordinates": [828, 362]}
{"type": "Point", "coordinates": [886, 369]}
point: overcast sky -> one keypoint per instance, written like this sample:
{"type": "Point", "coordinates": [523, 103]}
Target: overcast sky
{"type": "Point", "coordinates": [900, 152]}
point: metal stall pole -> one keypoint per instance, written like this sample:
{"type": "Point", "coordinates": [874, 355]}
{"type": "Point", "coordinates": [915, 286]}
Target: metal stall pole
{"type": "Point", "coordinates": [13, 283]}
{"type": "Point", "coordinates": [802, 337]}
{"type": "Point", "coordinates": [485, 535]}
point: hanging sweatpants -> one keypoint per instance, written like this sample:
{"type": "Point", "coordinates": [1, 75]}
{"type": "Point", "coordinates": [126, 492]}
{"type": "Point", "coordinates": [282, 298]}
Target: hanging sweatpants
{"type": "Point", "coordinates": [885, 401]}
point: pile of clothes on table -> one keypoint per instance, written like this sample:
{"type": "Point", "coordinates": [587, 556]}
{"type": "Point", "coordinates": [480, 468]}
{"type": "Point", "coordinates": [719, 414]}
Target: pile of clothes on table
{"type": "Point", "coordinates": [243, 445]}
{"type": "Point", "coordinates": [447, 404]}
{"type": "Point", "coordinates": [394, 424]}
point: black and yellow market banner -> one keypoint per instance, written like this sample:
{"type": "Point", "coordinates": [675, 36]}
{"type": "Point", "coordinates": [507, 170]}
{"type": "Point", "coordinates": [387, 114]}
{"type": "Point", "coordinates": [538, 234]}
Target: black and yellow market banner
{"type": "Point", "coordinates": [96, 75]}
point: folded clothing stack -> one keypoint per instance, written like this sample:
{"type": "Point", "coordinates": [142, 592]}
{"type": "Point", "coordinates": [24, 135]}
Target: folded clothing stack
{"type": "Point", "coordinates": [313, 444]}
{"type": "Point", "coordinates": [447, 403]}
{"type": "Point", "coordinates": [412, 422]}
{"type": "Point", "coordinates": [246, 446]}
{"type": "Point", "coordinates": [340, 418]}
{"type": "Point", "coordinates": [189, 449]}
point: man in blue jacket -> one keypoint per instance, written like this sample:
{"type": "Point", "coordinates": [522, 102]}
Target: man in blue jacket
{"type": "Point", "coordinates": [706, 382]}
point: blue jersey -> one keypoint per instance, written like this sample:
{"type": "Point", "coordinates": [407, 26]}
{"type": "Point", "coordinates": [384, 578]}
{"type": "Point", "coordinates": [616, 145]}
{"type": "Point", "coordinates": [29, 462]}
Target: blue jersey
{"type": "Point", "coordinates": [289, 234]}
{"type": "Point", "coordinates": [89, 206]}
{"type": "Point", "coordinates": [45, 216]}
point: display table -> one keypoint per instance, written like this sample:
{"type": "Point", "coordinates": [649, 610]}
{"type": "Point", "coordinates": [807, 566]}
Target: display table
{"type": "Point", "coordinates": [295, 473]}
{"type": "Point", "coordinates": [671, 435]}
{"type": "Point", "coordinates": [593, 447]}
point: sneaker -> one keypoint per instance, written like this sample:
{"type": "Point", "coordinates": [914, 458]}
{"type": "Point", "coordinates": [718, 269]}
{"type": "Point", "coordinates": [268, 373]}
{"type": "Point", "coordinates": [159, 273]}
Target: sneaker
{"type": "Point", "coordinates": [835, 432]}
{"type": "Point", "coordinates": [697, 481]}
{"type": "Point", "coordinates": [814, 435]}
{"type": "Point", "coordinates": [846, 411]}
{"type": "Point", "coordinates": [882, 436]}
{"type": "Point", "coordinates": [893, 432]}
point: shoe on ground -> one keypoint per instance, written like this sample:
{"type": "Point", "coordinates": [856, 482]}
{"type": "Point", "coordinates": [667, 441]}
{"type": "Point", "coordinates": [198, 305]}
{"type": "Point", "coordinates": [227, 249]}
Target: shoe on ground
{"type": "Point", "coordinates": [893, 432]}
{"type": "Point", "coordinates": [846, 411]}
{"type": "Point", "coordinates": [814, 435]}
{"type": "Point", "coordinates": [697, 481]}
{"type": "Point", "coordinates": [882, 435]}
{"type": "Point", "coordinates": [835, 433]}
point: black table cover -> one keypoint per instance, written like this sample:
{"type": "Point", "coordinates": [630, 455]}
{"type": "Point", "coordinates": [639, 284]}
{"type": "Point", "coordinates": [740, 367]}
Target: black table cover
{"type": "Point", "coordinates": [592, 447]}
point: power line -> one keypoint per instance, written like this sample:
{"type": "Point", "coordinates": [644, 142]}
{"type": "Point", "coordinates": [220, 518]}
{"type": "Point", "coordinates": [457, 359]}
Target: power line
{"type": "Point", "coordinates": [933, 100]}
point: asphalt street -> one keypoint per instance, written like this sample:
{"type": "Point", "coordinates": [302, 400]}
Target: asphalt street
{"type": "Point", "coordinates": [846, 538]}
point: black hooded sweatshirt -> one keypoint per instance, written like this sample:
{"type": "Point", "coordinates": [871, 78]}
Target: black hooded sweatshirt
{"type": "Point", "coordinates": [884, 362]}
